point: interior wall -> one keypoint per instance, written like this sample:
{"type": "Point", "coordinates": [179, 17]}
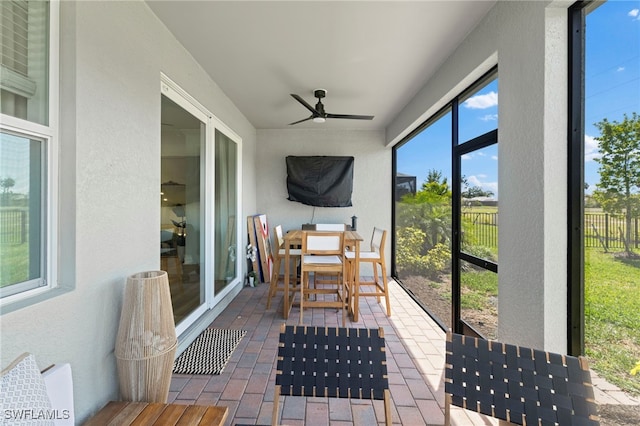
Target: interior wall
{"type": "Point", "coordinates": [371, 196]}
{"type": "Point", "coordinates": [527, 39]}
{"type": "Point", "coordinates": [112, 56]}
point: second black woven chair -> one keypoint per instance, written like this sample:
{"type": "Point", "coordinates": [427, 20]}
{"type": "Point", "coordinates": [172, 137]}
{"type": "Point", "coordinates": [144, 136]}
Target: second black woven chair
{"type": "Point", "coordinates": [520, 385]}
{"type": "Point", "coordinates": [332, 362]}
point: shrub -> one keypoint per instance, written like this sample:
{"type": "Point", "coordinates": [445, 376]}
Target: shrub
{"type": "Point", "coordinates": [411, 257]}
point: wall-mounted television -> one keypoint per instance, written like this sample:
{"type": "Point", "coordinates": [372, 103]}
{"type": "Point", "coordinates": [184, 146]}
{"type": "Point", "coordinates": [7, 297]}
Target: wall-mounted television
{"type": "Point", "coordinates": [322, 181]}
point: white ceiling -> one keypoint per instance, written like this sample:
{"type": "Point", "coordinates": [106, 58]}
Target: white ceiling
{"type": "Point", "coordinates": [371, 56]}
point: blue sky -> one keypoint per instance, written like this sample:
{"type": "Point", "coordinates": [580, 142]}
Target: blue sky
{"type": "Point", "coordinates": [612, 83]}
{"type": "Point", "coordinates": [612, 77]}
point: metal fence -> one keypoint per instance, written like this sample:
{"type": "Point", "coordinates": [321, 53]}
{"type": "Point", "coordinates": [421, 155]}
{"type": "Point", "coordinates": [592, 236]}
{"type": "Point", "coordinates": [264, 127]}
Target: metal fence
{"type": "Point", "coordinates": [600, 230]}
{"type": "Point", "coordinates": [484, 227]}
{"type": "Point", "coordinates": [609, 231]}
{"type": "Point", "coordinates": [13, 226]}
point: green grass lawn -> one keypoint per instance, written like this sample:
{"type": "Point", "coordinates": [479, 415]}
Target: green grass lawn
{"type": "Point", "coordinates": [612, 317]}
{"type": "Point", "coordinates": [16, 257]}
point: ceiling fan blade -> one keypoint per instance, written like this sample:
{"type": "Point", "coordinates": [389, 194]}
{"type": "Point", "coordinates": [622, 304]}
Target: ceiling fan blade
{"type": "Point", "coordinates": [350, 116]}
{"type": "Point", "coordinates": [306, 105]}
{"type": "Point", "coordinates": [300, 121]}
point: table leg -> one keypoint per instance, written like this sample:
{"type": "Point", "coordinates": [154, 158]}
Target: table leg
{"type": "Point", "coordinates": [287, 272]}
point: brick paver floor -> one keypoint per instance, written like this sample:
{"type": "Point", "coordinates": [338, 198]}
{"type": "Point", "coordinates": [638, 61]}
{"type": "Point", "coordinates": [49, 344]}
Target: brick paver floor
{"type": "Point", "coordinates": [415, 359]}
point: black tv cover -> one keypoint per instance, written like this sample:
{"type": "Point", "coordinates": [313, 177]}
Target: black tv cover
{"type": "Point", "coordinates": [321, 181]}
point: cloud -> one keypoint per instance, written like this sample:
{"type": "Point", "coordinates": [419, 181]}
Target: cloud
{"type": "Point", "coordinates": [590, 148]}
{"type": "Point", "coordinates": [482, 101]}
{"type": "Point", "coordinates": [486, 186]}
{"type": "Point", "coordinates": [494, 157]}
{"type": "Point", "coordinates": [620, 69]}
{"type": "Point", "coordinates": [466, 157]}
{"type": "Point", "coordinates": [635, 14]}
{"type": "Point", "coordinates": [489, 117]}
{"type": "Point", "coordinates": [481, 154]}
{"type": "Point", "coordinates": [482, 176]}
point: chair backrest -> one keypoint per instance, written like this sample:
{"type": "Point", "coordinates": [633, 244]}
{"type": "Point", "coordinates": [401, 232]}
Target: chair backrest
{"type": "Point", "coordinates": [378, 239]}
{"type": "Point", "coordinates": [322, 243]}
{"type": "Point", "coordinates": [278, 236]}
{"type": "Point", "coordinates": [331, 227]}
{"type": "Point", "coordinates": [518, 384]}
{"type": "Point", "coordinates": [347, 362]}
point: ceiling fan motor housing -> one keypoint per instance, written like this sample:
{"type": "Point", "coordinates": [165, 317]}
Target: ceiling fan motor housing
{"type": "Point", "coordinates": [319, 93]}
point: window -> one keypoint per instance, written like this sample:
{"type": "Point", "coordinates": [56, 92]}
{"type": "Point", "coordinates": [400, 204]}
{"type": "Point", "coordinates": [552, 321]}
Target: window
{"type": "Point", "coordinates": [446, 211]}
{"type": "Point", "coordinates": [604, 188]}
{"type": "Point", "coordinates": [28, 126]}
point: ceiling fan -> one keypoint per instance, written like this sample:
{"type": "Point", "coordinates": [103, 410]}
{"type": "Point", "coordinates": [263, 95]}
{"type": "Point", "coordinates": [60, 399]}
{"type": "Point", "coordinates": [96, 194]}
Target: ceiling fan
{"type": "Point", "coordinates": [319, 115]}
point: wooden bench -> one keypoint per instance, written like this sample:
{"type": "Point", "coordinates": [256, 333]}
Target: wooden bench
{"type": "Point", "coordinates": [120, 413]}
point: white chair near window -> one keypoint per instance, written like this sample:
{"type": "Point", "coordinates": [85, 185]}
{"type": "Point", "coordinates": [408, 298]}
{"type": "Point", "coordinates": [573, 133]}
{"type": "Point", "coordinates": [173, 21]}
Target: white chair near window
{"type": "Point", "coordinates": [278, 253]}
{"type": "Point", "coordinates": [322, 252]}
{"type": "Point", "coordinates": [374, 256]}
{"type": "Point", "coordinates": [331, 227]}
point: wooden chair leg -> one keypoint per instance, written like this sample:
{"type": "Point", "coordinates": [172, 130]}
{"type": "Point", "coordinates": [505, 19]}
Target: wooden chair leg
{"type": "Point", "coordinates": [387, 408]}
{"type": "Point", "coordinates": [447, 410]}
{"type": "Point", "coordinates": [385, 283]}
{"type": "Point", "coordinates": [276, 402]}
{"type": "Point", "coordinates": [304, 281]}
{"type": "Point", "coordinates": [273, 285]}
{"type": "Point", "coordinates": [376, 281]}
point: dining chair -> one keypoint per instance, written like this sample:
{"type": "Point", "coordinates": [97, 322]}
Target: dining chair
{"type": "Point", "coordinates": [331, 227]}
{"type": "Point", "coordinates": [332, 362]}
{"type": "Point", "coordinates": [322, 252]}
{"type": "Point", "coordinates": [374, 256]}
{"type": "Point", "coordinates": [321, 278]}
{"type": "Point", "coordinates": [278, 253]}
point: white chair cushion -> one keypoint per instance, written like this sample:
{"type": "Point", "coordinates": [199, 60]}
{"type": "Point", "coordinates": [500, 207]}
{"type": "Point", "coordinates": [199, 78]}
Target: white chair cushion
{"type": "Point", "coordinates": [324, 260]}
{"type": "Point", "coordinates": [23, 398]}
{"type": "Point", "coordinates": [363, 255]}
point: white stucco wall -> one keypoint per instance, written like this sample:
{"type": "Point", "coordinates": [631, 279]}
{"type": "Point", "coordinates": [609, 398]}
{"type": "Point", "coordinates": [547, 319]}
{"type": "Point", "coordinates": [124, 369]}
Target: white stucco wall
{"type": "Point", "coordinates": [112, 56]}
{"type": "Point", "coordinates": [371, 196]}
{"type": "Point", "coordinates": [527, 39]}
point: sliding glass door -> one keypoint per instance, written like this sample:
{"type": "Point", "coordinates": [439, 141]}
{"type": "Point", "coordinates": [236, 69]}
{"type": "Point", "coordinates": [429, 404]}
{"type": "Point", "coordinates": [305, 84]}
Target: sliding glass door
{"type": "Point", "coordinates": [199, 205]}
{"type": "Point", "coordinates": [226, 212]}
{"type": "Point", "coordinates": [182, 210]}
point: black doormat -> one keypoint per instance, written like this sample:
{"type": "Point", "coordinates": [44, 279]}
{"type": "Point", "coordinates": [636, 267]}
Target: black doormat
{"type": "Point", "coordinates": [209, 353]}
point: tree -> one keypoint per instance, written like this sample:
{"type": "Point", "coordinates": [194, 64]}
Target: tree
{"type": "Point", "coordinates": [429, 210]}
{"type": "Point", "coordinates": [6, 184]}
{"type": "Point", "coordinates": [619, 186]}
{"type": "Point", "coordinates": [476, 191]}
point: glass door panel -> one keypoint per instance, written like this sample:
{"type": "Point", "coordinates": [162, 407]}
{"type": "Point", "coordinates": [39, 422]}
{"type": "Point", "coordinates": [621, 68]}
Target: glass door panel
{"type": "Point", "coordinates": [423, 217]}
{"type": "Point", "coordinates": [182, 230]}
{"type": "Point", "coordinates": [479, 203]}
{"type": "Point", "coordinates": [479, 299]}
{"type": "Point", "coordinates": [475, 207]}
{"type": "Point", "coordinates": [226, 202]}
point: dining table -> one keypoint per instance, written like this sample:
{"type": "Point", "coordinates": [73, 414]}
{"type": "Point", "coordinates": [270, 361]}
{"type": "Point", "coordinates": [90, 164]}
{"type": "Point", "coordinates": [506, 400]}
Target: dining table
{"type": "Point", "coordinates": [293, 239]}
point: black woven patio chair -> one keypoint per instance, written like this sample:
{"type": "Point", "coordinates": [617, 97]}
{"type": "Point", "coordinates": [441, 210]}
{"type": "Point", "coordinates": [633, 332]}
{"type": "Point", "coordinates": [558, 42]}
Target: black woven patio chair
{"type": "Point", "coordinates": [332, 362]}
{"type": "Point", "coordinates": [517, 384]}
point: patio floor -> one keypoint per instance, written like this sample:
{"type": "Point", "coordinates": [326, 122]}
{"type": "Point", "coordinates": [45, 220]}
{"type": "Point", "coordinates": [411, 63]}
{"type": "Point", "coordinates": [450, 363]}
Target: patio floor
{"type": "Point", "coordinates": [415, 360]}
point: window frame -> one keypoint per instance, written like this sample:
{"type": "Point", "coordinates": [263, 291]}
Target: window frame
{"type": "Point", "coordinates": [484, 140]}
{"type": "Point", "coordinates": [49, 135]}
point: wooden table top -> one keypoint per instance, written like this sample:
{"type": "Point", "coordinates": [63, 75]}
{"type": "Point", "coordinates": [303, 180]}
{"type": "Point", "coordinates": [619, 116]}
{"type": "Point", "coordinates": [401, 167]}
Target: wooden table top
{"type": "Point", "coordinates": [296, 235]}
{"type": "Point", "coordinates": [118, 413]}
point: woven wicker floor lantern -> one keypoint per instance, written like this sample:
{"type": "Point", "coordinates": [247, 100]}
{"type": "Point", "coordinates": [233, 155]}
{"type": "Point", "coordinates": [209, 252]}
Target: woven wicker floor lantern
{"type": "Point", "coordinates": [146, 342]}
